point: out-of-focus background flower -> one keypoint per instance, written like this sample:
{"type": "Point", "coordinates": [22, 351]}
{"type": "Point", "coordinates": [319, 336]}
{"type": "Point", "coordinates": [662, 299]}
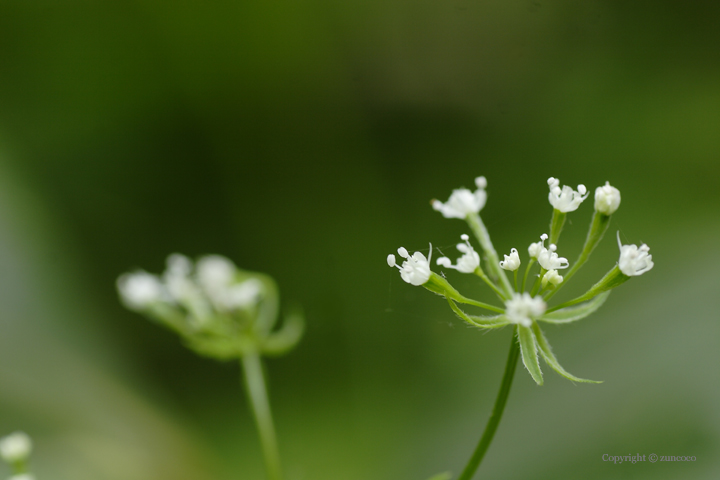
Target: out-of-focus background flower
{"type": "Point", "coordinates": [305, 139]}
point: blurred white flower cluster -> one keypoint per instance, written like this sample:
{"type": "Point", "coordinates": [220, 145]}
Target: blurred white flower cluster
{"type": "Point", "coordinates": [218, 309]}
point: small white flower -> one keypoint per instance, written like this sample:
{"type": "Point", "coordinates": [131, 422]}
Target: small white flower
{"type": "Point", "coordinates": [140, 289]}
{"type": "Point", "coordinates": [184, 290]}
{"type": "Point", "coordinates": [522, 308]}
{"type": "Point", "coordinates": [607, 199]}
{"type": "Point", "coordinates": [415, 270]}
{"type": "Point", "coordinates": [468, 262]}
{"type": "Point", "coordinates": [23, 476]}
{"type": "Point", "coordinates": [177, 278]}
{"type": "Point", "coordinates": [463, 202]}
{"type": "Point", "coordinates": [240, 296]}
{"type": "Point", "coordinates": [549, 260]}
{"type": "Point", "coordinates": [512, 261]}
{"type": "Point", "coordinates": [535, 248]}
{"type": "Point", "coordinates": [15, 447]}
{"type": "Point", "coordinates": [552, 277]}
{"type": "Point", "coordinates": [215, 271]}
{"type": "Point", "coordinates": [216, 275]}
{"type": "Point", "coordinates": [634, 261]}
{"type": "Point", "coordinates": [567, 199]}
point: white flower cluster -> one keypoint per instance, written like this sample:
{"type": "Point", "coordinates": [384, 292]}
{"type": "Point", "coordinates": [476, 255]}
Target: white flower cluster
{"type": "Point", "coordinates": [209, 285]}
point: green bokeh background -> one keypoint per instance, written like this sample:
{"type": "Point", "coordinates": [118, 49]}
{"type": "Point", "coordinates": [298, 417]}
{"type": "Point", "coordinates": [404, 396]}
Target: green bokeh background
{"type": "Point", "coordinates": [305, 138]}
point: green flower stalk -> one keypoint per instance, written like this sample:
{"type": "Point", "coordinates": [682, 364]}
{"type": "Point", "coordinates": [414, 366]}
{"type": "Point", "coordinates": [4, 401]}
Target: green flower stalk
{"type": "Point", "coordinates": [224, 313]}
{"type": "Point", "coordinates": [521, 309]}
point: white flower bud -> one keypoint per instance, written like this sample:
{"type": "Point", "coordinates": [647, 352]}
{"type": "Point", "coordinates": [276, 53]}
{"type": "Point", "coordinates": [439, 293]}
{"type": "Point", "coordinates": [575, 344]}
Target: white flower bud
{"type": "Point", "coordinates": [511, 262]}
{"type": "Point", "coordinates": [522, 308]}
{"type": "Point", "coordinates": [607, 199]}
{"type": "Point", "coordinates": [15, 447]}
{"type": "Point", "coordinates": [565, 199]}
{"type": "Point", "coordinates": [634, 260]}
{"type": "Point", "coordinates": [551, 277]}
{"type": "Point", "coordinates": [535, 248]}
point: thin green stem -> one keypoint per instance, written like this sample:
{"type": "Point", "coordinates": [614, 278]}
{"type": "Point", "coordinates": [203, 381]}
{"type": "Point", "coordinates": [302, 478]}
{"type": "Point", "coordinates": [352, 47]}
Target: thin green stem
{"type": "Point", "coordinates": [536, 286]}
{"type": "Point", "coordinates": [497, 411]}
{"type": "Point", "coordinates": [598, 227]}
{"type": "Point", "coordinates": [515, 277]}
{"type": "Point", "coordinates": [556, 225]}
{"type": "Point", "coordinates": [527, 270]}
{"type": "Point", "coordinates": [478, 227]}
{"type": "Point", "coordinates": [441, 286]}
{"type": "Point", "coordinates": [611, 280]}
{"type": "Point", "coordinates": [486, 306]}
{"type": "Point", "coordinates": [479, 272]}
{"type": "Point", "coordinates": [257, 392]}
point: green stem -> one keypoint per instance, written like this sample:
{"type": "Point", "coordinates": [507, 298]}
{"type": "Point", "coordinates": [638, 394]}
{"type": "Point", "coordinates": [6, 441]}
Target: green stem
{"type": "Point", "coordinates": [497, 411]}
{"type": "Point", "coordinates": [478, 227]}
{"type": "Point", "coordinates": [479, 272]}
{"type": "Point", "coordinates": [441, 286]}
{"type": "Point", "coordinates": [611, 280]}
{"type": "Point", "coordinates": [516, 284]}
{"type": "Point", "coordinates": [538, 282]}
{"type": "Point", "coordinates": [527, 270]}
{"type": "Point", "coordinates": [255, 385]}
{"type": "Point", "coordinates": [556, 226]}
{"type": "Point", "coordinates": [597, 229]}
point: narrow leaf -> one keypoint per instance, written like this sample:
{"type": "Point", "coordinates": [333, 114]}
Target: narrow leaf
{"type": "Point", "coordinates": [571, 314]}
{"type": "Point", "coordinates": [528, 348]}
{"type": "Point", "coordinates": [550, 359]}
{"type": "Point", "coordinates": [480, 321]}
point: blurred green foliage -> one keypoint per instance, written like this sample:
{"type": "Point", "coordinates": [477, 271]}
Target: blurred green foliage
{"type": "Point", "coordinates": [305, 139]}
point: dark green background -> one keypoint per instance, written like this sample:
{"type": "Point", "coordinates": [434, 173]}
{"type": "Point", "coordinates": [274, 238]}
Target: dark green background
{"type": "Point", "coordinates": [305, 138]}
